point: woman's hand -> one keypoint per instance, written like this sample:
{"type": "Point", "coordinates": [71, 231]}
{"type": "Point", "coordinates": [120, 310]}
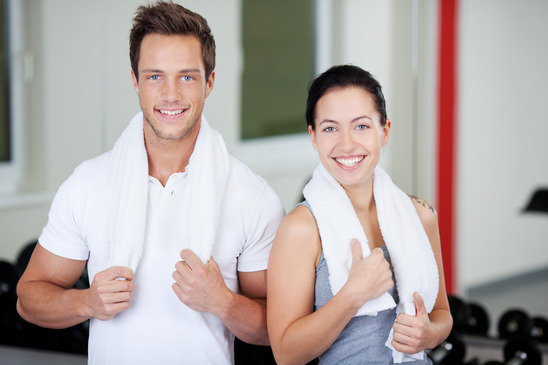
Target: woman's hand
{"type": "Point", "coordinates": [413, 334]}
{"type": "Point", "coordinates": [369, 277]}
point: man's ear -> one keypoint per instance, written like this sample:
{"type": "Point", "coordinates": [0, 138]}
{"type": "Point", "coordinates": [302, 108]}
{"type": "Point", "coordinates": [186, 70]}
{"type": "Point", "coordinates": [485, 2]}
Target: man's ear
{"type": "Point", "coordinates": [135, 82]}
{"type": "Point", "coordinates": [209, 83]}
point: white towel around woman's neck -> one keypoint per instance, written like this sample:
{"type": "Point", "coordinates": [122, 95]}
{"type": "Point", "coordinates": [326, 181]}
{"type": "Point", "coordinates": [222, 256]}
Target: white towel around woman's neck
{"type": "Point", "coordinates": [128, 194]}
{"type": "Point", "coordinates": [413, 261]}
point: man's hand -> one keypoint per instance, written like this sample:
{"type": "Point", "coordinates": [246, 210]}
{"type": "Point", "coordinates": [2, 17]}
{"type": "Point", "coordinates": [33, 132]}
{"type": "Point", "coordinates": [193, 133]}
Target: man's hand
{"type": "Point", "coordinates": [201, 287]}
{"type": "Point", "coordinates": [108, 295]}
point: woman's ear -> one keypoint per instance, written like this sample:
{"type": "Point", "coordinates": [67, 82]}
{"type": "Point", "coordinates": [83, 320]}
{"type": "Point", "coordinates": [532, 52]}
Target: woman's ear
{"type": "Point", "coordinates": [386, 131]}
{"type": "Point", "coordinates": [312, 134]}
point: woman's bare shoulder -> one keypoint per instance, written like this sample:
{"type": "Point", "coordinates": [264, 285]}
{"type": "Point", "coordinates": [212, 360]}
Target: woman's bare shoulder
{"type": "Point", "coordinates": [298, 230]}
{"type": "Point", "coordinates": [425, 210]}
{"type": "Point", "coordinates": [299, 221]}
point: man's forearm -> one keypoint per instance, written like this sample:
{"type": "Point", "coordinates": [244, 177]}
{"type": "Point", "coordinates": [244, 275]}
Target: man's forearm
{"type": "Point", "coordinates": [48, 305]}
{"type": "Point", "coordinates": [246, 319]}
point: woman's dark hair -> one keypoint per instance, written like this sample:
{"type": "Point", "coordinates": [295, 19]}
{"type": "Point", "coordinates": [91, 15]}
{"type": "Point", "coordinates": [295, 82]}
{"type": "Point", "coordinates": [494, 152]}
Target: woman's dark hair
{"type": "Point", "coordinates": [340, 77]}
{"type": "Point", "coordinates": [167, 18]}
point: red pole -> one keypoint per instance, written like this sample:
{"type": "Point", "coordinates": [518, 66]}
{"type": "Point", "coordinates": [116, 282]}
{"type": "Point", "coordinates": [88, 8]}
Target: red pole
{"type": "Point", "coordinates": [447, 101]}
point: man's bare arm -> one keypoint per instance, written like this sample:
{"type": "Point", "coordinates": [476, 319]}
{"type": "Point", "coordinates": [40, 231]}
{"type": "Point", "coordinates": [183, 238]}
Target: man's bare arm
{"type": "Point", "coordinates": [46, 297]}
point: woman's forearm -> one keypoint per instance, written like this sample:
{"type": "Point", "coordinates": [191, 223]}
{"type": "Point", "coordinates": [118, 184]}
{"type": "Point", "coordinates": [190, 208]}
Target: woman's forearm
{"type": "Point", "coordinates": [310, 336]}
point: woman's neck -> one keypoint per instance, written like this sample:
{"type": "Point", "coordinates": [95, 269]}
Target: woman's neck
{"type": "Point", "coordinates": [361, 197]}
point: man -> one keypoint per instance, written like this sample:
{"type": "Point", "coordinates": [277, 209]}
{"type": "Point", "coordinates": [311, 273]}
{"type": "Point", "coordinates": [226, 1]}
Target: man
{"type": "Point", "coordinates": [174, 231]}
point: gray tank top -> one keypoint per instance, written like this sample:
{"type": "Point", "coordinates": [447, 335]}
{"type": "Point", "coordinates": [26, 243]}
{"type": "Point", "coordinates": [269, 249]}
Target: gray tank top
{"type": "Point", "coordinates": [363, 339]}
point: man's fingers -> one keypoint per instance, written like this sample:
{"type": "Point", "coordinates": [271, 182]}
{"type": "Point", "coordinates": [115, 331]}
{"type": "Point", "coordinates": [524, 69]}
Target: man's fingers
{"type": "Point", "coordinates": [118, 297]}
{"type": "Point", "coordinates": [213, 264]}
{"type": "Point", "coordinates": [118, 272]}
{"type": "Point", "coordinates": [377, 251]}
{"type": "Point", "coordinates": [190, 258]}
{"type": "Point", "coordinates": [122, 286]}
{"type": "Point", "coordinates": [182, 266]}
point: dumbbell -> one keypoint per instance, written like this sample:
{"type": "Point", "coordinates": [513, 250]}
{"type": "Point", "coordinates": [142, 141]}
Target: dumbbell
{"type": "Point", "coordinates": [24, 255]}
{"type": "Point", "coordinates": [539, 331]}
{"type": "Point", "coordinates": [516, 323]}
{"type": "Point", "coordinates": [519, 352]}
{"type": "Point", "coordinates": [14, 330]}
{"type": "Point", "coordinates": [468, 318]}
{"type": "Point", "coordinates": [449, 352]}
{"type": "Point", "coordinates": [9, 277]}
{"type": "Point", "coordinates": [522, 352]}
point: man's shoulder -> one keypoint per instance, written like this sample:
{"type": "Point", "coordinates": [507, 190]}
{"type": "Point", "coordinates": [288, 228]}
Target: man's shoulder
{"type": "Point", "coordinates": [92, 170]}
{"type": "Point", "coordinates": [246, 187]}
{"type": "Point", "coordinates": [242, 174]}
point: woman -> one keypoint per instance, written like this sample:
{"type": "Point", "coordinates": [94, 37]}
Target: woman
{"type": "Point", "coordinates": [337, 256]}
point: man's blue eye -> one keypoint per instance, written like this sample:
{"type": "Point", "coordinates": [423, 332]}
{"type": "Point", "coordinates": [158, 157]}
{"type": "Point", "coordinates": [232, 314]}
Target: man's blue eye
{"type": "Point", "coordinates": [154, 77]}
{"type": "Point", "coordinates": [187, 78]}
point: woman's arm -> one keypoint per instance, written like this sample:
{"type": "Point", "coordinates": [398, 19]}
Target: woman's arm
{"type": "Point", "coordinates": [297, 333]}
{"type": "Point", "coordinates": [425, 331]}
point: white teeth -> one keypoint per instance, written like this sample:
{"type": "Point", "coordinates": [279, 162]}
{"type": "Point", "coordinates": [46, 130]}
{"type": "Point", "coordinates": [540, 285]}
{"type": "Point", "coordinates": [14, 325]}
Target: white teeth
{"type": "Point", "coordinates": [171, 112]}
{"type": "Point", "coordinates": [349, 162]}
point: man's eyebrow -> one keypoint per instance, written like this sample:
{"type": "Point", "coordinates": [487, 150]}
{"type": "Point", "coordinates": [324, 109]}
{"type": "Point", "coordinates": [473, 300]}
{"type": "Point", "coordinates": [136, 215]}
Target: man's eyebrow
{"type": "Point", "coordinates": [151, 70]}
{"type": "Point", "coordinates": [186, 70]}
{"type": "Point", "coordinates": [189, 70]}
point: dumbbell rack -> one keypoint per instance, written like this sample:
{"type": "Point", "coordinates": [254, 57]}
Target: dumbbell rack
{"type": "Point", "coordinates": [486, 349]}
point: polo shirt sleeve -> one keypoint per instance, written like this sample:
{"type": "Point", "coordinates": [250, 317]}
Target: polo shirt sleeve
{"type": "Point", "coordinates": [263, 222]}
{"type": "Point", "coordinates": [62, 235]}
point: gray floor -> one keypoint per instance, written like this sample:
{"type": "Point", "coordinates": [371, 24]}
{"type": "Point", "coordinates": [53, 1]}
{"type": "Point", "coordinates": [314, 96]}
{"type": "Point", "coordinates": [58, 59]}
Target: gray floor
{"type": "Point", "coordinates": [20, 356]}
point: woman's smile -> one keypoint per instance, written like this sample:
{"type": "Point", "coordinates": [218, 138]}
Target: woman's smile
{"type": "Point", "coordinates": [349, 161]}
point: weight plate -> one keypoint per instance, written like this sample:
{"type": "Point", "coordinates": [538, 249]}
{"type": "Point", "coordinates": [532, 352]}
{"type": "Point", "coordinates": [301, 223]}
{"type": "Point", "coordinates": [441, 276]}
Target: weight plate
{"type": "Point", "coordinates": [515, 323]}
{"type": "Point", "coordinates": [8, 277]}
{"type": "Point", "coordinates": [539, 331]}
{"type": "Point", "coordinates": [460, 313]}
{"type": "Point", "coordinates": [478, 321]}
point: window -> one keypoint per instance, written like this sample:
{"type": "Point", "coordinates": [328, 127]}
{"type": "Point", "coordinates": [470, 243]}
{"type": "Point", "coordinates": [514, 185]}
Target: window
{"type": "Point", "coordinates": [278, 41]}
{"type": "Point", "coordinates": [5, 134]}
{"type": "Point", "coordinates": [12, 84]}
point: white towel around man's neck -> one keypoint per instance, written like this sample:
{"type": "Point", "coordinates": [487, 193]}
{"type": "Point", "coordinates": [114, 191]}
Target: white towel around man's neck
{"type": "Point", "coordinates": [413, 261]}
{"type": "Point", "coordinates": [128, 194]}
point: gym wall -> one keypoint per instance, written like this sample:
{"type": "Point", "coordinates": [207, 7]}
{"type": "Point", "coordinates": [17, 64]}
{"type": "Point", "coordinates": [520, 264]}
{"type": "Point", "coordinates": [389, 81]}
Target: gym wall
{"type": "Point", "coordinates": [80, 98]}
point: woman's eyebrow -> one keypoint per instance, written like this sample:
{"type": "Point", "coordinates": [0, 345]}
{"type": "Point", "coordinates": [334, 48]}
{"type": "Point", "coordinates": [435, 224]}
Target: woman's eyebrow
{"type": "Point", "coordinates": [352, 121]}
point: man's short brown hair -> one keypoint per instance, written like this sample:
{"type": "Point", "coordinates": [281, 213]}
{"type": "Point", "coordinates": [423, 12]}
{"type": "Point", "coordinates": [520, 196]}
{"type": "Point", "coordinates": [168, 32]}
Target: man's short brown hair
{"type": "Point", "coordinates": [167, 18]}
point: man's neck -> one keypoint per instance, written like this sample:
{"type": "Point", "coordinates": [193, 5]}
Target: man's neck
{"type": "Point", "coordinates": [166, 157]}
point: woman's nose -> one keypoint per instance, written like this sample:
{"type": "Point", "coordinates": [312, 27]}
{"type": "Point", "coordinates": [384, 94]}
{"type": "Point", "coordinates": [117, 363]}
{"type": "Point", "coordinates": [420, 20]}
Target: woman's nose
{"type": "Point", "coordinates": [347, 142]}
